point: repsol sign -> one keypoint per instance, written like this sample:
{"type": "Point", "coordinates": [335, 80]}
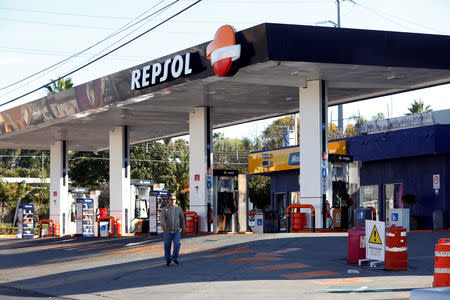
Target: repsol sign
{"type": "Point", "coordinates": [172, 68]}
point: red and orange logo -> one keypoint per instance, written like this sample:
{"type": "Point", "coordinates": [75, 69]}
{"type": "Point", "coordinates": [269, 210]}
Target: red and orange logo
{"type": "Point", "coordinates": [222, 51]}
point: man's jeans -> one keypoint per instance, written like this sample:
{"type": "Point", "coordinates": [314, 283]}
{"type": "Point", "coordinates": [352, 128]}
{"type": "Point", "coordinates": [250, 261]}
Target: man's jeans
{"type": "Point", "coordinates": [168, 238]}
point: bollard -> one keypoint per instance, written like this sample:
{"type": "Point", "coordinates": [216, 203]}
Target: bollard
{"type": "Point", "coordinates": [56, 230]}
{"type": "Point", "coordinates": [396, 255]}
{"type": "Point", "coordinates": [442, 263]}
{"type": "Point", "coordinates": [118, 227]}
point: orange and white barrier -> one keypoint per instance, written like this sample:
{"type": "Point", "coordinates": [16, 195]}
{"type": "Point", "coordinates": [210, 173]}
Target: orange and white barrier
{"type": "Point", "coordinates": [396, 254]}
{"type": "Point", "coordinates": [442, 263]}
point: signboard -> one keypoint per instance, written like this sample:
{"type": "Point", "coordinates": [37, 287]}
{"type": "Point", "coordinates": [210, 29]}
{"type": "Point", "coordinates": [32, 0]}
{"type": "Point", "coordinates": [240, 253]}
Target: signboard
{"type": "Point", "coordinates": [436, 181]}
{"type": "Point", "coordinates": [170, 69]}
{"type": "Point", "coordinates": [221, 172]}
{"type": "Point", "coordinates": [375, 240]}
{"type": "Point", "coordinates": [196, 177]}
{"type": "Point", "coordinates": [288, 158]}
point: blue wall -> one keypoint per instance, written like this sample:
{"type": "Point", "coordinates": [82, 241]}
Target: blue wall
{"type": "Point", "coordinates": [412, 157]}
{"type": "Point", "coordinates": [283, 182]}
{"type": "Point", "coordinates": [408, 156]}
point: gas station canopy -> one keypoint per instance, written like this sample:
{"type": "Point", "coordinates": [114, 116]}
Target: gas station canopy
{"type": "Point", "coordinates": [276, 60]}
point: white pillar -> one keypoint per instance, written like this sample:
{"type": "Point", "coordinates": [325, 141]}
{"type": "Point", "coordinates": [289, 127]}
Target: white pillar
{"type": "Point", "coordinates": [313, 147]}
{"type": "Point", "coordinates": [59, 181]}
{"type": "Point", "coordinates": [200, 164]}
{"type": "Point", "coordinates": [119, 176]}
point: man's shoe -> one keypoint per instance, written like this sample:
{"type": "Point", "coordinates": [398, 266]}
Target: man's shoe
{"type": "Point", "coordinates": [175, 262]}
{"type": "Point", "coordinates": [168, 262]}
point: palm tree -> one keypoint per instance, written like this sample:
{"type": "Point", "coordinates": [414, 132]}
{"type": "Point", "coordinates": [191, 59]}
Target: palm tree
{"type": "Point", "coordinates": [377, 117]}
{"type": "Point", "coordinates": [417, 107]}
{"type": "Point", "coordinates": [59, 85]}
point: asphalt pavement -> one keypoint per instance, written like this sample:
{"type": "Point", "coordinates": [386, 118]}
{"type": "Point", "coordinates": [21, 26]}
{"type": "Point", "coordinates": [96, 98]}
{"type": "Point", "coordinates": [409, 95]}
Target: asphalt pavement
{"type": "Point", "coordinates": [250, 266]}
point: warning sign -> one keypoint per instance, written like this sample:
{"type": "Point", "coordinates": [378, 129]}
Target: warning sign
{"type": "Point", "coordinates": [375, 236]}
{"type": "Point", "coordinates": [375, 239]}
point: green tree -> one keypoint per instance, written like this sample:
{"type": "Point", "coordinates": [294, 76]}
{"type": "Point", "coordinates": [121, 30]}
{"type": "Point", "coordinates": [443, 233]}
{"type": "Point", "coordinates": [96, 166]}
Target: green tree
{"type": "Point", "coordinates": [10, 193]}
{"type": "Point", "coordinates": [180, 156]}
{"type": "Point", "coordinates": [418, 107]}
{"type": "Point", "coordinates": [333, 132]}
{"type": "Point", "coordinates": [231, 154]}
{"type": "Point", "coordinates": [153, 161]}
{"type": "Point", "coordinates": [259, 191]}
{"type": "Point", "coordinates": [272, 136]}
{"type": "Point", "coordinates": [59, 85]}
{"type": "Point", "coordinates": [89, 169]}
{"type": "Point", "coordinates": [378, 116]}
{"type": "Point", "coordinates": [358, 119]}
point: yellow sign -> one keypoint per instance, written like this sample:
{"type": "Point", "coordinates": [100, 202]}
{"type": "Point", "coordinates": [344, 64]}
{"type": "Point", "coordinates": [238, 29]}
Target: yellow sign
{"type": "Point", "coordinates": [287, 158]}
{"type": "Point", "coordinates": [338, 147]}
{"type": "Point", "coordinates": [375, 236]}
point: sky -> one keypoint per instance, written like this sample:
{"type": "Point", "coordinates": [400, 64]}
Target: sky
{"type": "Point", "coordinates": [37, 34]}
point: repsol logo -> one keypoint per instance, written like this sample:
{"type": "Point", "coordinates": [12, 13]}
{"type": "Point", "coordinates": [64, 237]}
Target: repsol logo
{"type": "Point", "coordinates": [172, 68]}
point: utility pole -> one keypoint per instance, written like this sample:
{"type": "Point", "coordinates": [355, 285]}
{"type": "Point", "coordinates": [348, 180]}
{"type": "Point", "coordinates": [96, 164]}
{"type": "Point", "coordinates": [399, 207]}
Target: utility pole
{"type": "Point", "coordinates": [340, 108]}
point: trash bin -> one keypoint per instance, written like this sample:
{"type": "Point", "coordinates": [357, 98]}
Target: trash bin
{"type": "Point", "coordinates": [356, 245]}
{"type": "Point", "coordinates": [361, 215]}
{"type": "Point", "coordinates": [259, 224]}
{"type": "Point", "coordinates": [104, 229]}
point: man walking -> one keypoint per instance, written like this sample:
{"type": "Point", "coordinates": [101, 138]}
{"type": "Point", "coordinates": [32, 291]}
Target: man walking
{"type": "Point", "coordinates": [172, 221]}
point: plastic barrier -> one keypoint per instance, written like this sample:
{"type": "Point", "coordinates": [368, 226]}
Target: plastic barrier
{"type": "Point", "coordinates": [313, 214]}
{"type": "Point", "coordinates": [396, 255]}
{"type": "Point", "coordinates": [356, 245]}
{"type": "Point", "coordinates": [53, 229]}
{"type": "Point", "coordinates": [191, 222]}
{"type": "Point", "coordinates": [442, 263]}
{"type": "Point", "coordinates": [118, 227]}
{"type": "Point", "coordinates": [298, 220]}
{"type": "Point", "coordinates": [112, 224]}
{"type": "Point", "coordinates": [56, 230]}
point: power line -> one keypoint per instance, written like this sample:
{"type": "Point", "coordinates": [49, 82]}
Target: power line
{"type": "Point", "coordinates": [380, 13]}
{"type": "Point", "coordinates": [62, 13]}
{"type": "Point", "coordinates": [56, 24]}
{"type": "Point", "coordinates": [123, 28]}
{"type": "Point", "coordinates": [113, 50]}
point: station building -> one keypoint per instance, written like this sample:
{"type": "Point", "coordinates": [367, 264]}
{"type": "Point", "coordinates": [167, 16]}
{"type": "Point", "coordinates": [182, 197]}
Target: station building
{"type": "Point", "coordinates": [389, 159]}
{"type": "Point", "coordinates": [261, 72]}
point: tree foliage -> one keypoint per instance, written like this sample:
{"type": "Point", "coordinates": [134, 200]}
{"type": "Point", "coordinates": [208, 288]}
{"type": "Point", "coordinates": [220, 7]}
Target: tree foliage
{"type": "Point", "coordinates": [89, 169]}
{"type": "Point", "coordinates": [418, 107]}
{"type": "Point", "coordinates": [59, 85]}
{"type": "Point", "coordinates": [272, 136]}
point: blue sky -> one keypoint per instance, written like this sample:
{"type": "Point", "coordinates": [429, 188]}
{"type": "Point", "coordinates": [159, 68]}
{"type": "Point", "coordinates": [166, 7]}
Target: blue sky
{"type": "Point", "coordinates": [37, 34]}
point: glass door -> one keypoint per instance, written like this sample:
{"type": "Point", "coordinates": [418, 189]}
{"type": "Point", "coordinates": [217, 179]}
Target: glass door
{"type": "Point", "coordinates": [392, 194]}
{"type": "Point", "coordinates": [280, 200]}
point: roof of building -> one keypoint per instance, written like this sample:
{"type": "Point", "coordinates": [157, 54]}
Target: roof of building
{"type": "Point", "coordinates": [276, 60]}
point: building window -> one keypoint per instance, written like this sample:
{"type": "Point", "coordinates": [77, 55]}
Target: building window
{"type": "Point", "coordinates": [369, 197]}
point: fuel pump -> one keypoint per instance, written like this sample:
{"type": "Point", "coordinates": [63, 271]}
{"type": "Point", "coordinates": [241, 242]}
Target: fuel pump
{"type": "Point", "coordinates": [225, 201]}
{"type": "Point", "coordinates": [341, 200]}
{"type": "Point", "coordinates": [82, 213]}
{"type": "Point", "coordinates": [140, 196]}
